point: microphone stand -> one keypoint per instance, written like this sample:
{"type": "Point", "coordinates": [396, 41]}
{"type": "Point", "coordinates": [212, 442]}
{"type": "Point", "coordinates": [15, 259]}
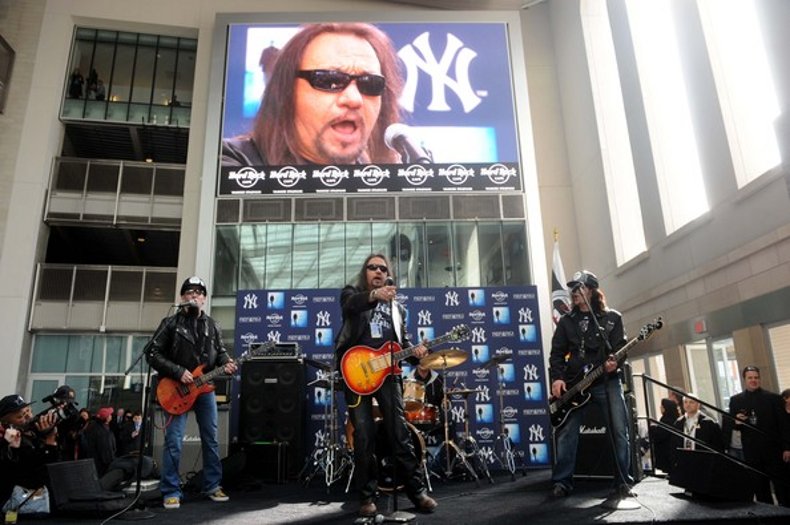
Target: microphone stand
{"type": "Point", "coordinates": [132, 512]}
{"type": "Point", "coordinates": [617, 504]}
{"type": "Point", "coordinates": [396, 516]}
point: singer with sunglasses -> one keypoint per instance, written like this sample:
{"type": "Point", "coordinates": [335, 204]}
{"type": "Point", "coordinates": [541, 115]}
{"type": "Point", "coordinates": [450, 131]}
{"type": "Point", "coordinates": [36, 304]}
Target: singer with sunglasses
{"type": "Point", "coordinates": [332, 94]}
{"type": "Point", "coordinates": [182, 343]}
{"type": "Point", "coordinates": [372, 317]}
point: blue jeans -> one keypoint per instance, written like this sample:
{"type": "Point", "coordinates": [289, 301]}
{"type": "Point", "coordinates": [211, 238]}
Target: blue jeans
{"type": "Point", "coordinates": [567, 437]}
{"type": "Point", "coordinates": [205, 409]}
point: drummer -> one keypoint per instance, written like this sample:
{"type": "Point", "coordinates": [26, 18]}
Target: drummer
{"type": "Point", "coordinates": [434, 386]}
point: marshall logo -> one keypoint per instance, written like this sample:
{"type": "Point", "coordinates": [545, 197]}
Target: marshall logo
{"type": "Point", "coordinates": [274, 319]}
{"type": "Point", "coordinates": [477, 316]}
{"type": "Point", "coordinates": [416, 174]}
{"type": "Point", "coordinates": [498, 173]}
{"type": "Point", "coordinates": [299, 300]}
{"type": "Point", "coordinates": [246, 177]}
{"type": "Point", "coordinates": [499, 297]}
{"type": "Point", "coordinates": [371, 175]}
{"type": "Point", "coordinates": [288, 176]}
{"type": "Point", "coordinates": [330, 176]}
{"type": "Point", "coordinates": [509, 412]}
{"type": "Point", "coordinates": [456, 174]}
{"type": "Point", "coordinates": [485, 433]}
{"type": "Point", "coordinates": [249, 337]}
{"type": "Point", "coordinates": [584, 429]}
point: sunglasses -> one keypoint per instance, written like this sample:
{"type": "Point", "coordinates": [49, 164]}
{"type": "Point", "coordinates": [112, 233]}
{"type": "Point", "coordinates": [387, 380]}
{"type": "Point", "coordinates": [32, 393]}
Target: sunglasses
{"type": "Point", "coordinates": [335, 81]}
{"type": "Point", "coordinates": [380, 267]}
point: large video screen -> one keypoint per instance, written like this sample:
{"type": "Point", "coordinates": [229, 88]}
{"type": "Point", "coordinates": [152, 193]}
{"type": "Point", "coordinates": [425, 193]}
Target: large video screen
{"type": "Point", "coordinates": [361, 108]}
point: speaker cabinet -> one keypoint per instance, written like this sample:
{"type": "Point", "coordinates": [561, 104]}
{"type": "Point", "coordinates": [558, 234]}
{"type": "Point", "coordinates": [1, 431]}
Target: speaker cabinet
{"type": "Point", "coordinates": [272, 407]}
{"type": "Point", "coordinates": [191, 454]}
{"type": "Point", "coordinates": [594, 457]}
{"type": "Point", "coordinates": [709, 474]}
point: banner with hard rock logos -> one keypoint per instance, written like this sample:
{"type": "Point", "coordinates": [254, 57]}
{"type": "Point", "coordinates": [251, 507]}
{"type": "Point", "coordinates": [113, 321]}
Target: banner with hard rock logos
{"type": "Point", "coordinates": [455, 128]}
{"type": "Point", "coordinates": [502, 372]}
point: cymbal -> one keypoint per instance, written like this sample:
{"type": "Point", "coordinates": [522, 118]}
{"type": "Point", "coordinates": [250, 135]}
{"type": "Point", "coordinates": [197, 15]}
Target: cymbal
{"type": "Point", "coordinates": [461, 391]}
{"type": "Point", "coordinates": [324, 383]}
{"type": "Point", "coordinates": [447, 358]}
{"type": "Point", "coordinates": [496, 360]}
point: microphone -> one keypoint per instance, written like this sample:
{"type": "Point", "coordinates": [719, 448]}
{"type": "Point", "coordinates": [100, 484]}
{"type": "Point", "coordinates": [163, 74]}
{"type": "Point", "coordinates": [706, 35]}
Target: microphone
{"type": "Point", "coordinates": [399, 138]}
{"type": "Point", "coordinates": [389, 282]}
{"type": "Point", "coordinates": [186, 304]}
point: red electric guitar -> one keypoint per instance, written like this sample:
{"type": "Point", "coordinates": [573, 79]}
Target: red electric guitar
{"type": "Point", "coordinates": [365, 368]}
{"type": "Point", "coordinates": [177, 397]}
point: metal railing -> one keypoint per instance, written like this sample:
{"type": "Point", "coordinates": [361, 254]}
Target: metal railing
{"type": "Point", "coordinates": [115, 192]}
{"type": "Point", "coordinates": [101, 298]}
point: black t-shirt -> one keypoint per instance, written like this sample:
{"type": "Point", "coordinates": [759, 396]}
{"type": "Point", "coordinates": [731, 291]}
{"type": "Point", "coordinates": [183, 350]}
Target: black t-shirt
{"type": "Point", "coordinates": [380, 329]}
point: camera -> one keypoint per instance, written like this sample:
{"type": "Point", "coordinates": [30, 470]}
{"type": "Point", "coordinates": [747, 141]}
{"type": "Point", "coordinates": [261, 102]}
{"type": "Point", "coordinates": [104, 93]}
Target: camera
{"type": "Point", "coordinates": [63, 406]}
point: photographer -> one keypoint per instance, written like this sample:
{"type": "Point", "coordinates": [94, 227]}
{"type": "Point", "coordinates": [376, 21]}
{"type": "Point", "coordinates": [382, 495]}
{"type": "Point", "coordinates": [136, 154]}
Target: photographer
{"type": "Point", "coordinates": [27, 445]}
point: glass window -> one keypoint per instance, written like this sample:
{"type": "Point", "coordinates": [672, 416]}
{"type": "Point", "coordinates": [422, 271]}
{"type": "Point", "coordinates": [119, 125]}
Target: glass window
{"type": "Point", "coordinates": [383, 239]}
{"type": "Point", "coordinates": [253, 257]}
{"type": "Point", "coordinates": [169, 181]}
{"type": "Point", "coordinates": [744, 85]}
{"type": "Point", "coordinates": [165, 72]}
{"type": "Point", "coordinates": [115, 354]}
{"type": "Point", "coordinates": [492, 269]}
{"type": "Point", "coordinates": [700, 371]}
{"type": "Point", "coordinates": [160, 287]}
{"type": "Point", "coordinates": [90, 285]}
{"type": "Point", "coordinates": [358, 247]}
{"type": "Point", "coordinates": [779, 337]}
{"type": "Point", "coordinates": [85, 354]}
{"type": "Point", "coordinates": [332, 262]}
{"type": "Point", "coordinates": [670, 127]}
{"type": "Point", "coordinates": [185, 77]}
{"type": "Point", "coordinates": [410, 255]}
{"type": "Point", "coordinates": [726, 366]}
{"type": "Point", "coordinates": [125, 285]}
{"type": "Point", "coordinates": [70, 175]}
{"type": "Point", "coordinates": [514, 241]}
{"type": "Point", "coordinates": [81, 56]}
{"type": "Point", "coordinates": [121, 84]}
{"type": "Point", "coordinates": [466, 255]}
{"type": "Point", "coordinates": [615, 143]}
{"type": "Point", "coordinates": [49, 354]}
{"type": "Point", "coordinates": [41, 389]}
{"type": "Point", "coordinates": [279, 265]}
{"type": "Point", "coordinates": [143, 73]}
{"type": "Point", "coordinates": [305, 256]}
{"type": "Point", "coordinates": [226, 261]}
{"type": "Point", "coordinates": [100, 72]}
{"type": "Point", "coordinates": [440, 268]}
{"type": "Point", "coordinates": [103, 177]}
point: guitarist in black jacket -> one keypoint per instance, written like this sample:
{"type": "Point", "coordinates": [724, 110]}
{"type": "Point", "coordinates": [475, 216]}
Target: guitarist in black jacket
{"type": "Point", "coordinates": [371, 318]}
{"type": "Point", "coordinates": [577, 348]}
{"type": "Point", "coordinates": [183, 342]}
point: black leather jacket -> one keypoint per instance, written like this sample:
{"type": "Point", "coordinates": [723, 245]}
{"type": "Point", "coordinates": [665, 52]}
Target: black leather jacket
{"type": "Point", "coordinates": [182, 343]}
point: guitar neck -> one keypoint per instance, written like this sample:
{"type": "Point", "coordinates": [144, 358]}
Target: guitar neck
{"type": "Point", "coordinates": [406, 352]}
{"type": "Point", "coordinates": [208, 376]}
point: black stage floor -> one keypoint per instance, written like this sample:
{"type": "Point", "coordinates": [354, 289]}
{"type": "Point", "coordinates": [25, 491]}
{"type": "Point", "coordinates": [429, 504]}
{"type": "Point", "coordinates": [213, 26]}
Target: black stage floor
{"type": "Point", "coordinates": [523, 501]}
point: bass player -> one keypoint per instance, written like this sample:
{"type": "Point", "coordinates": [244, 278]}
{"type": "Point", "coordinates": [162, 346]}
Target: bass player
{"type": "Point", "coordinates": [371, 317]}
{"type": "Point", "coordinates": [586, 338]}
{"type": "Point", "coordinates": [182, 343]}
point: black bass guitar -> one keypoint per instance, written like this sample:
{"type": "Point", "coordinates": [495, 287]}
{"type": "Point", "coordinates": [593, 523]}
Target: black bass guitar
{"type": "Point", "coordinates": [577, 396]}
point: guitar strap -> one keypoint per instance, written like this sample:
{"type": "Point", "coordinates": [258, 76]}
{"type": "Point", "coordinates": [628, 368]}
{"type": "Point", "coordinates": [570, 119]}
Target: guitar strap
{"type": "Point", "coordinates": [396, 321]}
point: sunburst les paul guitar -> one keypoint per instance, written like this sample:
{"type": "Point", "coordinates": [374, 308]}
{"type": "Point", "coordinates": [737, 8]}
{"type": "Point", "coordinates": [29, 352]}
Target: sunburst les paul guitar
{"type": "Point", "coordinates": [577, 396]}
{"type": "Point", "coordinates": [177, 397]}
{"type": "Point", "coordinates": [365, 369]}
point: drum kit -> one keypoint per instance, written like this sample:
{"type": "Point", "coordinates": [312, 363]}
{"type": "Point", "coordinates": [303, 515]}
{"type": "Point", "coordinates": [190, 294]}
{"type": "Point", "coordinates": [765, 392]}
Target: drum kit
{"type": "Point", "coordinates": [448, 460]}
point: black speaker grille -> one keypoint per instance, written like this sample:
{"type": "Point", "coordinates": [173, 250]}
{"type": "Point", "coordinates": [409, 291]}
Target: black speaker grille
{"type": "Point", "coordinates": [273, 406]}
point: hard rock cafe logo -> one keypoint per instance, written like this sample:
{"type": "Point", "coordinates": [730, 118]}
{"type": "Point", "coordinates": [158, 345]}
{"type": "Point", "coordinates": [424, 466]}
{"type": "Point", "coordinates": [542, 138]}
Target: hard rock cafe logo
{"type": "Point", "coordinates": [504, 350]}
{"type": "Point", "coordinates": [509, 412]}
{"type": "Point", "coordinates": [499, 296]}
{"type": "Point", "coordinates": [299, 300]}
{"type": "Point", "coordinates": [477, 316]}
{"type": "Point", "coordinates": [498, 173]}
{"type": "Point", "coordinates": [274, 319]}
{"type": "Point", "coordinates": [401, 297]}
{"type": "Point", "coordinates": [371, 175]}
{"type": "Point", "coordinates": [485, 433]}
{"type": "Point", "coordinates": [249, 337]}
{"type": "Point", "coordinates": [288, 176]}
{"type": "Point", "coordinates": [456, 174]}
{"type": "Point", "coordinates": [416, 174]}
{"type": "Point", "coordinates": [246, 177]}
{"type": "Point", "coordinates": [481, 373]}
{"type": "Point", "coordinates": [330, 176]}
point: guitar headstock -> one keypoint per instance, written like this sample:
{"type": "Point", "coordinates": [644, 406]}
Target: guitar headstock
{"type": "Point", "coordinates": [646, 331]}
{"type": "Point", "coordinates": [459, 333]}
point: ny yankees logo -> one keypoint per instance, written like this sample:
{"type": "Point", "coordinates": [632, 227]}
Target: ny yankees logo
{"type": "Point", "coordinates": [536, 433]}
{"type": "Point", "coordinates": [525, 315]}
{"type": "Point", "coordinates": [322, 318]}
{"type": "Point", "coordinates": [478, 335]}
{"type": "Point", "coordinates": [483, 394]}
{"type": "Point", "coordinates": [273, 335]}
{"type": "Point", "coordinates": [250, 301]}
{"type": "Point", "coordinates": [451, 299]}
{"type": "Point", "coordinates": [419, 56]}
{"type": "Point", "coordinates": [424, 318]}
{"type": "Point", "coordinates": [530, 373]}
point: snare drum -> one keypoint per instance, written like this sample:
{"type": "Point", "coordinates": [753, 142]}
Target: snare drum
{"type": "Point", "coordinates": [427, 415]}
{"type": "Point", "coordinates": [413, 394]}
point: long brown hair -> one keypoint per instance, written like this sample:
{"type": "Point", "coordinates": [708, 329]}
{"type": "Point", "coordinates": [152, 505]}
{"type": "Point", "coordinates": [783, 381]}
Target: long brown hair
{"type": "Point", "coordinates": [362, 277]}
{"type": "Point", "coordinates": [274, 131]}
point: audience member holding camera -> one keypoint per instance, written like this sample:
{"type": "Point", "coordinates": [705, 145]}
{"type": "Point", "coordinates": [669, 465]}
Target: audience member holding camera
{"type": "Point", "coordinates": [28, 444]}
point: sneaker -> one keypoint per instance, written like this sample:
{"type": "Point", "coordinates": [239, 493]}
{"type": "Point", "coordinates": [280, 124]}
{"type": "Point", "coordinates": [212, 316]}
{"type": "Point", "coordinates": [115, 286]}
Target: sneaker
{"type": "Point", "coordinates": [218, 495]}
{"type": "Point", "coordinates": [367, 508]}
{"type": "Point", "coordinates": [172, 502]}
{"type": "Point", "coordinates": [559, 491]}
